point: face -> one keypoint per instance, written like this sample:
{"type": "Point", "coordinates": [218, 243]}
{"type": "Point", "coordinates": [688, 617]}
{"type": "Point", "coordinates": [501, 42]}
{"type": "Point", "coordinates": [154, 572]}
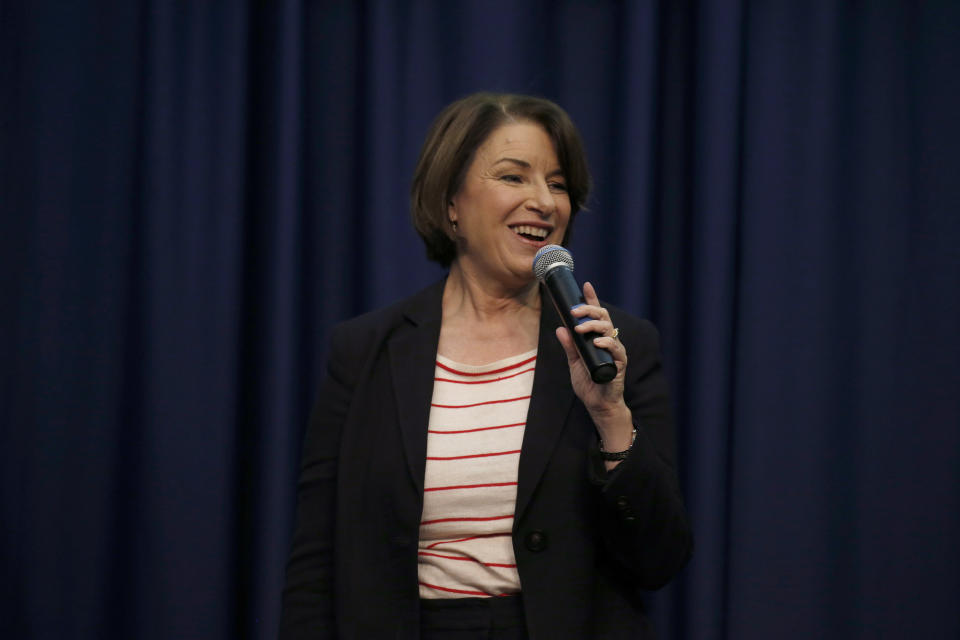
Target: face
{"type": "Point", "coordinates": [512, 202]}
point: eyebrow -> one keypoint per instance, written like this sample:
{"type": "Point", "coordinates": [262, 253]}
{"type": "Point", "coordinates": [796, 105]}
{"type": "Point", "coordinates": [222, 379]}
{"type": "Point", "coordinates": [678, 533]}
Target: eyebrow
{"type": "Point", "coordinates": [526, 165]}
{"type": "Point", "coordinates": [522, 163]}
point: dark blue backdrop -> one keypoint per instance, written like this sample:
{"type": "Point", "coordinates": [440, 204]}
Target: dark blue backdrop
{"type": "Point", "coordinates": [192, 193]}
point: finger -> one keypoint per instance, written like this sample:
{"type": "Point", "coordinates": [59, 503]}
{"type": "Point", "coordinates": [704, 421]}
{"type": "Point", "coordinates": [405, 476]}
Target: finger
{"type": "Point", "coordinates": [602, 327]}
{"type": "Point", "coordinates": [590, 310]}
{"type": "Point", "coordinates": [590, 294]}
{"type": "Point", "coordinates": [614, 346]}
{"type": "Point", "coordinates": [566, 341]}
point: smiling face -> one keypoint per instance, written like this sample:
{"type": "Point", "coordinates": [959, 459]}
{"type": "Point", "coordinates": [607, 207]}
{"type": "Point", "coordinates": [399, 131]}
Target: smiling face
{"type": "Point", "coordinates": [513, 201]}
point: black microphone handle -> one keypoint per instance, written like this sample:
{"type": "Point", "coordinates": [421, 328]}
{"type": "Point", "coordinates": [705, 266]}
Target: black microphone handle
{"type": "Point", "coordinates": [566, 294]}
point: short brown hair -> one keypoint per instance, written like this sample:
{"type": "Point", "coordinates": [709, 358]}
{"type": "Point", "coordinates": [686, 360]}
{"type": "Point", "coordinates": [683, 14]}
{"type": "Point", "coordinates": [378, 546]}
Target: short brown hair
{"type": "Point", "coordinates": [453, 138]}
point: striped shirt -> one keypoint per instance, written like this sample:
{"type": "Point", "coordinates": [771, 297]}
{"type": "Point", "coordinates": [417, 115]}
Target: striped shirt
{"type": "Point", "coordinates": [477, 419]}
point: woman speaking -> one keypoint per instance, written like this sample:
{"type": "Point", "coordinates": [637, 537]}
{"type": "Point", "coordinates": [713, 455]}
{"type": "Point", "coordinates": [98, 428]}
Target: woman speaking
{"type": "Point", "coordinates": [462, 474]}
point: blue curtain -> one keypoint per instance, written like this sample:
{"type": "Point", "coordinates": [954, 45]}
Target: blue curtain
{"type": "Point", "coordinates": [192, 193]}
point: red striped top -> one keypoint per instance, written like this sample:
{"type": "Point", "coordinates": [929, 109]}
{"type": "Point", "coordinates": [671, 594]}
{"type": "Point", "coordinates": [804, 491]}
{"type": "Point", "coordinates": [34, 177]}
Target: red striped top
{"type": "Point", "coordinates": [477, 419]}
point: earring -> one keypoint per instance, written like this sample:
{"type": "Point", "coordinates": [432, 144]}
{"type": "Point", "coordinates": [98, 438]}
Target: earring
{"type": "Point", "coordinates": [453, 223]}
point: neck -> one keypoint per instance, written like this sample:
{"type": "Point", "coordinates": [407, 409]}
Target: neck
{"type": "Point", "coordinates": [472, 297]}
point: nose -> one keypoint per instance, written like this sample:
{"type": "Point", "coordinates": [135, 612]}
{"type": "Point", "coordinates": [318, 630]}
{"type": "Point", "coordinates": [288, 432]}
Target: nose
{"type": "Point", "coordinates": [542, 200]}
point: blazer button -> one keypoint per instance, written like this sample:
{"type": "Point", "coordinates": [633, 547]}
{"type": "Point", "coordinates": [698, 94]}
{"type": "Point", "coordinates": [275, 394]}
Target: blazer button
{"type": "Point", "coordinates": [622, 503]}
{"type": "Point", "coordinates": [536, 541]}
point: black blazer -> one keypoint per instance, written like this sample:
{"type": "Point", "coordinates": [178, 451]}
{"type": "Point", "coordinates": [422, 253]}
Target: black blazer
{"type": "Point", "coordinates": [586, 542]}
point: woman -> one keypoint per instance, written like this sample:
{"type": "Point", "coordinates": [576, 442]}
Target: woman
{"type": "Point", "coordinates": [462, 475]}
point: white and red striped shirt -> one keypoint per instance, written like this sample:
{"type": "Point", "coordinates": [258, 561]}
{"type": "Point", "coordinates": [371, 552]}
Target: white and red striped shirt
{"type": "Point", "coordinates": [477, 419]}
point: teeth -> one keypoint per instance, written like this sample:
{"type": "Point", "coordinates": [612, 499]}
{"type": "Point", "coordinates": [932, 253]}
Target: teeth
{"type": "Point", "coordinates": [537, 232]}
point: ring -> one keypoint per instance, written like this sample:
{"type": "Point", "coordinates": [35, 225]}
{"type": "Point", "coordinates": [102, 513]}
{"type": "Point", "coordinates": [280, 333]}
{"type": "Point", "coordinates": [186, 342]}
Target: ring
{"type": "Point", "coordinates": [616, 333]}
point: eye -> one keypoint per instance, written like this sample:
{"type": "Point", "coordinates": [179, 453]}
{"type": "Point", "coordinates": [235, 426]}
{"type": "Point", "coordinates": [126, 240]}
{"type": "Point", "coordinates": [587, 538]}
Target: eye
{"type": "Point", "coordinates": [511, 177]}
{"type": "Point", "coordinates": [558, 186]}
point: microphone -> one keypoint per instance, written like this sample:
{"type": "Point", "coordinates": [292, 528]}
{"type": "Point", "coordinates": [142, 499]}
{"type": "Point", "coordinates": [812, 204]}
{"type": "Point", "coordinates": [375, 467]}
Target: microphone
{"type": "Point", "coordinates": [553, 266]}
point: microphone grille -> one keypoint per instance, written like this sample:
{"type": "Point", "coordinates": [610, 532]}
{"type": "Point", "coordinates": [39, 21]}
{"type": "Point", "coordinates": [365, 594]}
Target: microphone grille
{"type": "Point", "coordinates": [550, 256]}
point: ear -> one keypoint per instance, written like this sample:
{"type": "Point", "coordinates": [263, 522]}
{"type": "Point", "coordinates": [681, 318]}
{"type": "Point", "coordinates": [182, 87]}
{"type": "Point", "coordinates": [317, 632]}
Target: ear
{"type": "Point", "coordinates": [451, 211]}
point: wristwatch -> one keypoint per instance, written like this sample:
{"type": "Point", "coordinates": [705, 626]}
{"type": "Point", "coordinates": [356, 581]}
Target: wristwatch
{"type": "Point", "coordinates": [617, 455]}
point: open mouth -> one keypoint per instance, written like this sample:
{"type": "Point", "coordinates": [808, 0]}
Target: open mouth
{"type": "Point", "coordinates": [535, 234]}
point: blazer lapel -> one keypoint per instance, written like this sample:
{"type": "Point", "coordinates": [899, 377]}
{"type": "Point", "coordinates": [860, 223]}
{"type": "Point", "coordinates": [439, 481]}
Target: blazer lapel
{"type": "Point", "coordinates": [412, 352]}
{"type": "Point", "coordinates": [550, 403]}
